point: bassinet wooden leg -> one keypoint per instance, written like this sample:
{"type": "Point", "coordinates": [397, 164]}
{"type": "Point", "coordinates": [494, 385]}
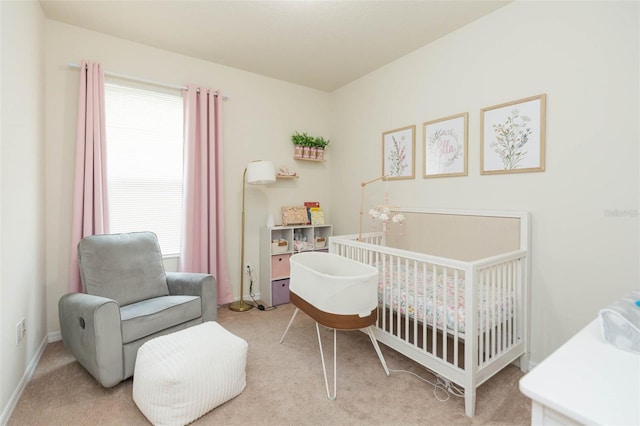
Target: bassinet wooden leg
{"type": "Point", "coordinates": [324, 368]}
{"type": "Point", "coordinates": [469, 402]}
{"type": "Point", "coordinates": [377, 348]}
{"type": "Point", "coordinates": [289, 325]}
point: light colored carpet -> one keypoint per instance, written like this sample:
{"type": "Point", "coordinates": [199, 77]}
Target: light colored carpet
{"type": "Point", "coordinates": [285, 385]}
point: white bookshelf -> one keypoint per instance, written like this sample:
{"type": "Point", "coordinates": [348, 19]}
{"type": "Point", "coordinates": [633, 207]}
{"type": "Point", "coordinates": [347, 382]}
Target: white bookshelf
{"type": "Point", "coordinates": [274, 259]}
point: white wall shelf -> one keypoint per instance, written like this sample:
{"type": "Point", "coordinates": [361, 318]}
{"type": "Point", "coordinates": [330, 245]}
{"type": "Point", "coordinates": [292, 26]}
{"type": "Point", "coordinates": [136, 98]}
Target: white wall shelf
{"type": "Point", "coordinates": [309, 159]}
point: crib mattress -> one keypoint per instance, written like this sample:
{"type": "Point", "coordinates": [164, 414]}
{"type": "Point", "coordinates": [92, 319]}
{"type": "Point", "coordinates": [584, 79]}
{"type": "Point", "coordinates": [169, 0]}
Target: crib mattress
{"type": "Point", "coordinates": [411, 292]}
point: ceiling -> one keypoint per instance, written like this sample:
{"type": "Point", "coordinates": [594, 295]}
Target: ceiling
{"type": "Point", "coordinates": [319, 44]}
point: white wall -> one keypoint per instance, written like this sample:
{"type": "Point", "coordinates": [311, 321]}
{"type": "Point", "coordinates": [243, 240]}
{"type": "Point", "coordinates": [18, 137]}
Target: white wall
{"type": "Point", "coordinates": [258, 122]}
{"type": "Point", "coordinates": [585, 57]}
{"type": "Point", "coordinates": [22, 242]}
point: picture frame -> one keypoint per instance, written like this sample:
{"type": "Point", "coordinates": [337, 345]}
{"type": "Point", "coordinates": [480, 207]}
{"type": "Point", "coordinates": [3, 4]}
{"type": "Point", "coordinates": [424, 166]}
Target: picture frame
{"type": "Point", "coordinates": [398, 153]}
{"type": "Point", "coordinates": [512, 136]}
{"type": "Point", "coordinates": [446, 146]}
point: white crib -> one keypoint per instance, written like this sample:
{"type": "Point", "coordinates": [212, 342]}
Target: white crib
{"type": "Point", "coordinates": [453, 291]}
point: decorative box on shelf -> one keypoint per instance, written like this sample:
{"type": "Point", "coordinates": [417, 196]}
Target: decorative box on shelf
{"type": "Point", "coordinates": [308, 153]}
{"type": "Point", "coordinates": [284, 173]}
{"type": "Point", "coordinates": [279, 246]}
{"type": "Point", "coordinates": [320, 242]}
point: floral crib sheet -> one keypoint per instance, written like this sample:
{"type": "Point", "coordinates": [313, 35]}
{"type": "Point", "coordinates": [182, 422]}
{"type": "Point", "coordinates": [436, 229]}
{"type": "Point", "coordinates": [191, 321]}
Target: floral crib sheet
{"type": "Point", "coordinates": [396, 289]}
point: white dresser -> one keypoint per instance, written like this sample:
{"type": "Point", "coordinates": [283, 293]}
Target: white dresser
{"type": "Point", "coordinates": [585, 381]}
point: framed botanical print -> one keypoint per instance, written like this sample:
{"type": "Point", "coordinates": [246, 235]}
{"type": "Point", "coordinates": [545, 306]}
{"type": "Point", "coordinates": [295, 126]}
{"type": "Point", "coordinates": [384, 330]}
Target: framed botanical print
{"type": "Point", "coordinates": [398, 148]}
{"type": "Point", "coordinates": [512, 136]}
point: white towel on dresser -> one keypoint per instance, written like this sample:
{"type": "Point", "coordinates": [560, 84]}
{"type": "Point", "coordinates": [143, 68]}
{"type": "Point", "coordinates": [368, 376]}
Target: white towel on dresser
{"type": "Point", "coordinates": [620, 322]}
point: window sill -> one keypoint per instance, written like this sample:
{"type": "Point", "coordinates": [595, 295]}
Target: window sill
{"type": "Point", "coordinates": [170, 262]}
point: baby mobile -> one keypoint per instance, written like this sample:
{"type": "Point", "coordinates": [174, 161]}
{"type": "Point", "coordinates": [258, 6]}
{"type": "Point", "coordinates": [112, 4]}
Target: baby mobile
{"type": "Point", "coordinates": [382, 213]}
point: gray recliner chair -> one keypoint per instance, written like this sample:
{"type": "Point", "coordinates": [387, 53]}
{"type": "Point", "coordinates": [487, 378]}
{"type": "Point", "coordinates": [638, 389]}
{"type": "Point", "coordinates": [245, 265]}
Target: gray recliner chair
{"type": "Point", "coordinates": [128, 299]}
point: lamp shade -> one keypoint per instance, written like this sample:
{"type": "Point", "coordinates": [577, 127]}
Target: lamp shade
{"type": "Point", "coordinates": [260, 172]}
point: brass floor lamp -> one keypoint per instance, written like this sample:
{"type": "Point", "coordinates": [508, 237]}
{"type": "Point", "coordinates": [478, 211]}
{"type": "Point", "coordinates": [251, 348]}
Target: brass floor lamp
{"type": "Point", "coordinates": [258, 172]}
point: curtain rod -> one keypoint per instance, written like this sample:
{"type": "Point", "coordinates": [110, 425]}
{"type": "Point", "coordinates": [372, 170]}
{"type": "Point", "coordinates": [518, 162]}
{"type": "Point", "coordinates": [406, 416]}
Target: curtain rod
{"type": "Point", "coordinates": [142, 80]}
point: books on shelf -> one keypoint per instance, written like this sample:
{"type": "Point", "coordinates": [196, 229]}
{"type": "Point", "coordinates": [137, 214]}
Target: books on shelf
{"type": "Point", "coordinates": [312, 205]}
{"type": "Point", "coordinates": [310, 213]}
{"type": "Point", "coordinates": [317, 216]}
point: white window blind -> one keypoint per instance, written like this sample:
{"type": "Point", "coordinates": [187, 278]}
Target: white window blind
{"type": "Point", "coordinates": [144, 132]}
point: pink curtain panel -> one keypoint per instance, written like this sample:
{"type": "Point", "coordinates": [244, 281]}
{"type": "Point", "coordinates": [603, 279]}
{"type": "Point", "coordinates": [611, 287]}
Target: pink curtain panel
{"type": "Point", "coordinates": [203, 247]}
{"type": "Point", "coordinates": [90, 211]}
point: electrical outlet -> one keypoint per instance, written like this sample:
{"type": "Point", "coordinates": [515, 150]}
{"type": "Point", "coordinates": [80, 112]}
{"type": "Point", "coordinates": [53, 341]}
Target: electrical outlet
{"type": "Point", "coordinates": [21, 330]}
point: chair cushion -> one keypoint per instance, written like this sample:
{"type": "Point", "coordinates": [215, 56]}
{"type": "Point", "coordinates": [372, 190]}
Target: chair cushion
{"type": "Point", "coordinates": [127, 268]}
{"type": "Point", "coordinates": [150, 316]}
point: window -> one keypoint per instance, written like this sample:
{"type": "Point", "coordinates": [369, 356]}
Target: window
{"type": "Point", "coordinates": [144, 132]}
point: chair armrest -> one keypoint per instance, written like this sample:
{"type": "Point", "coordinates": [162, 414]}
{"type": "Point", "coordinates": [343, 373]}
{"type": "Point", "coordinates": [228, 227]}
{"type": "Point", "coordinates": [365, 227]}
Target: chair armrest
{"type": "Point", "coordinates": [192, 284]}
{"type": "Point", "coordinates": [90, 327]}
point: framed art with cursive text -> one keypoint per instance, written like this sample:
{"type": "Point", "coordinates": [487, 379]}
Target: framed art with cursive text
{"type": "Point", "coordinates": [445, 146]}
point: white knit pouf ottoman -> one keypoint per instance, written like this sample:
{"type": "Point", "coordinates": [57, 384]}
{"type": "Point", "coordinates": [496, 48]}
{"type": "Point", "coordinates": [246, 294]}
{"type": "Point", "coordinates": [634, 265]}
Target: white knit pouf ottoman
{"type": "Point", "coordinates": [182, 376]}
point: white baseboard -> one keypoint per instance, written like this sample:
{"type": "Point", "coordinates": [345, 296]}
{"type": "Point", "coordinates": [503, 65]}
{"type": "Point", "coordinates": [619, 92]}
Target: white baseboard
{"type": "Point", "coordinates": [56, 336]}
{"type": "Point", "coordinates": [28, 373]}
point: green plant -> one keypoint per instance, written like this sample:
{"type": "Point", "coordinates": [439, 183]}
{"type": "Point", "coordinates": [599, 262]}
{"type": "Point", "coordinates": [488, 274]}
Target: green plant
{"type": "Point", "coordinates": [321, 142]}
{"type": "Point", "coordinates": [302, 139]}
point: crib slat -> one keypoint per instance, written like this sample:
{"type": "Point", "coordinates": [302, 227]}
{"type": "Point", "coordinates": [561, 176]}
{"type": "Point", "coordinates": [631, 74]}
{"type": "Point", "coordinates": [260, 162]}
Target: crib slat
{"type": "Point", "coordinates": [405, 289]}
{"type": "Point", "coordinates": [392, 297]}
{"type": "Point", "coordinates": [495, 311]}
{"type": "Point", "coordinates": [518, 305]}
{"type": "Point", "coordinates": [479, 291]}
{"type": "Point", "coordinates": [456, 324]}
{"type": "Point", "coordinates": [512, 302]}
{"type": "Point", "coordinates": [385, 285]}
{"type": "Point", "coordinates": [491, 301]}
{"type": "Point", "coordinates": [424, 305]}
{"type": "Point", "coordinates": [500, 307]}
{"type": "Point", "coordinates": [487, 341]}
{"type": "Point", "coordinates": [445, 312]}
{"type": "Point", "coordinates": [505, 305]}
{"type": "Point", "coordinates": [415, 303]}
{"type": "Point", "coordinates": [398, 303]}
{"type": "Point", "coordinates": [434, 305]}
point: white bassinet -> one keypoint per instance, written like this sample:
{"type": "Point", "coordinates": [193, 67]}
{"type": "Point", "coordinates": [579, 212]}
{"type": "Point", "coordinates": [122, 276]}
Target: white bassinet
{"type": "Point", "coordinates": [338, 293]}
